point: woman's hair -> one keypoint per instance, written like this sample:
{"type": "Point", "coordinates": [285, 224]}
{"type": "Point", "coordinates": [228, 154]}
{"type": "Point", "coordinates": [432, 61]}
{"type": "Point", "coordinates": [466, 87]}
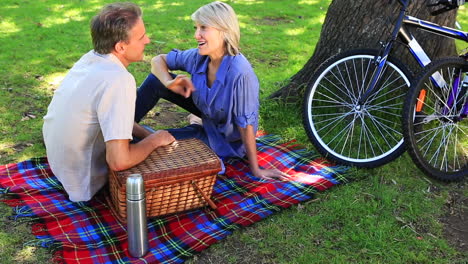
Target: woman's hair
{"type": "Point", "coordinates": [222, 17]}
{"type": "Point", "coordinates": [113, 24]}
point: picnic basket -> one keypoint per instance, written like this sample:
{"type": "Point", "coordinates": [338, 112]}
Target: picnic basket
{"type": "Point", "coordinates": [177, 177]}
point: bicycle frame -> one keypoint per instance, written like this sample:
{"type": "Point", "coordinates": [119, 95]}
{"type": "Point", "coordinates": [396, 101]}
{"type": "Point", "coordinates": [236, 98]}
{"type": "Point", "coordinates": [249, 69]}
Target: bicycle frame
{"type": "Point", "coordinates": [414, 46]}
{"type": "Point", "coordinates": [401, 30]}
{"type": "Point", "coordinates": [422, 58]}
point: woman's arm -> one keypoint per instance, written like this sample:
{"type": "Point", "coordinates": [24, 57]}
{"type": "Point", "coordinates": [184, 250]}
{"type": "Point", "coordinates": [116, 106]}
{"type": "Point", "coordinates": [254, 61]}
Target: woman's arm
{"type": "Point", "coordinates": [139, 131]}
{"type": "Point", "coordinates": [248, 138]}
{"type": "Point", "coordinates": [181, 84]}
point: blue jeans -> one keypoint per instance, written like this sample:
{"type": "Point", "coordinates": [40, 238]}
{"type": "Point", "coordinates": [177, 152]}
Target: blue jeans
{"type": "Point", "coordinates": [148, 95]}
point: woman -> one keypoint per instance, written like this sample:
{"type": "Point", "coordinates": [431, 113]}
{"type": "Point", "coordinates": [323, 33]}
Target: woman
{"type": "Point", "coordinates": [223, 88]}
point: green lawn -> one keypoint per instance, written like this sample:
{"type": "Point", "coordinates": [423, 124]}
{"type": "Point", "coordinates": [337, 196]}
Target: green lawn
{"type": "Point", "coordinates": [385, 215]}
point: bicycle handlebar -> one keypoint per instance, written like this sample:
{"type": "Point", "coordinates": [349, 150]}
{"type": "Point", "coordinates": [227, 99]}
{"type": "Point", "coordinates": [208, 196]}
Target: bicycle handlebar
{"type": "Point", "coordinates": [447, 6]}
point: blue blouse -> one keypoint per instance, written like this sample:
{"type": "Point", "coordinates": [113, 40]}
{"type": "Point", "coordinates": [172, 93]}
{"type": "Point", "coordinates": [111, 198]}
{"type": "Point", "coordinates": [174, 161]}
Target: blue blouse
{"type": "Point", "coordinates": [231, 102]}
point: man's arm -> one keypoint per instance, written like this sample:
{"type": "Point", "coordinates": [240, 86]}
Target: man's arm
{"type": "Point", "coordinates": [121, 155]}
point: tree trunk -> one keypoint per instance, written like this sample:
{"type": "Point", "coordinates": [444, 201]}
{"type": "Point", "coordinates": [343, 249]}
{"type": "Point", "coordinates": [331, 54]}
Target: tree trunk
{"type": "Point", "coordinates": [364, 24]}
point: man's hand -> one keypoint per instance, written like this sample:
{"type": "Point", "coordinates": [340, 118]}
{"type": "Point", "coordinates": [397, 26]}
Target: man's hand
{"type": "Point", "coordinates": [182, 85]}
{"type": "Point", "coordinates": [161, 138]}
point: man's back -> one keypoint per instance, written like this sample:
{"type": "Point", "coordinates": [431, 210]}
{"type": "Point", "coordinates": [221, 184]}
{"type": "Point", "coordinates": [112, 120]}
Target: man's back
{"type": "Point", "coordinates": [94, 104]}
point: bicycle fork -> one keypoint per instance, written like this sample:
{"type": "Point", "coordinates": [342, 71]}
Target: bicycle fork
{"type": "Point", "coordinates": [381, 58]}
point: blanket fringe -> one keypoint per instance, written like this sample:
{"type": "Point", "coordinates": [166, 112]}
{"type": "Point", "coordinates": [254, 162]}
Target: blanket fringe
{"type": "Point", "coordinates": [57, 257]}
{"type": "Point", "coordinates": [45, 242]}
{"type": "Point", "coordinates": [43, 239]}
{"type": "Point", "coordinates": [13, 202]}
{"type": "Point", "coordinates": [269, 138]}
{"type": "Point", "coordinates": [23, 211]}
{"type": "Point", "coordinates": [4, 190]}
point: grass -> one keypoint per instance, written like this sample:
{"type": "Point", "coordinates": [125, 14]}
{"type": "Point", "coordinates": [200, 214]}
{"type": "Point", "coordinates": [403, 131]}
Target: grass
{"type": "Point", "coordinates": [385, 215]}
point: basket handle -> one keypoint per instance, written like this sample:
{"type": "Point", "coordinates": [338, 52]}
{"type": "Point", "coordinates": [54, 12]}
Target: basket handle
{"type": "Point", "coordinates": [207, 199]}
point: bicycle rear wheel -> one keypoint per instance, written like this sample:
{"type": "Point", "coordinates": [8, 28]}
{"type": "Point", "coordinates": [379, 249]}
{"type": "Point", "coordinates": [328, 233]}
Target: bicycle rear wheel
{"type": "Point", "coordinates": [434, 128]}
{"type": "Point", "coordinates": [342, 129]}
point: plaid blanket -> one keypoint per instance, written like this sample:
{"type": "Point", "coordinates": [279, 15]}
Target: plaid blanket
{"type": "Point", "coordinates": [87, 232]}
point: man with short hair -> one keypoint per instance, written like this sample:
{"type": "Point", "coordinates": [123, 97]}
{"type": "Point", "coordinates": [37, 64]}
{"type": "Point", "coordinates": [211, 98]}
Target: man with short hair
{"type": "Point", "coordinates": [88, 125]}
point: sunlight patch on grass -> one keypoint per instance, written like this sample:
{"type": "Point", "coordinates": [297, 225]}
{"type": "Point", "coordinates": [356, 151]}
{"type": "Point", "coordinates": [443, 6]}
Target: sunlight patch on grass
{"type": "Point", "coordinates": [318, 20]}
{"type": "Point", "coordinates": [309, 2]}
{"type": "Point", "coordinates": [54, 21]}
{"type": "Point", "coordinates": [8, 27]}
{"type": "Point", "coordinates": [295, 31]}
{"type": "Point", "coordinates": [29, 152]}
{"type": "Point", "coordinates": [176, 4]}
{"type": "Point", "coordinates": [185, 18]}
{"type": "Point", "coordinates": [251, 2]}
{"type": "Point", "coordinates": [26, 254]}
{"type": "Point", "coordinates": [55, 78]}
{"type": "Point", "coordinates": [157, 6]}
{"type": "Point", "coordinates": [75, 13]}
{"type": "Point", "coordinates": [298, 58]}
{"type": "Point", "coordinates": [5, 145]}
{"type": "Point", "coordinates": [242, 19]}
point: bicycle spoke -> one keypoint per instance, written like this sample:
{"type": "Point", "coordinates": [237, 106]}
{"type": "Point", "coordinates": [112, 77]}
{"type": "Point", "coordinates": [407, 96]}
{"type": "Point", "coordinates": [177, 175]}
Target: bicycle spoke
{"type": "Point", "coordinates": [372, 138]}
{"type": "Point", "coordinates": [341, 132]}
{"type": "Point", "coordinates": [332, 100]}
{"type": "Point", "coordinates": [377, 94]}
{"type": "Point", "coordinates": [387, 106]}
{"type": "Point", "coordinates": [337, 87]}
{"type": "Point", "coordinates": [349, 79]}
{"type": "Point", "coordinates": [387, 93]}
{"type": "Point", "coordinates": [381, 127]}
{"type": "Point", "coordinates": [331, 121]}
{"type": "Point", "coordinates": [364, 78]}
{"type": "Point", "coordinates": [341, 79]}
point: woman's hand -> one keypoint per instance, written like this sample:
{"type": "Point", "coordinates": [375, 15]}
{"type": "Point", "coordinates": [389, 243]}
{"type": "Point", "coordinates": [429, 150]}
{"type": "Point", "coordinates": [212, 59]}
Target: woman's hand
{"type": "Point", "coordinates": [182, 85]}
{"type": "Point", "coordinates": [270, 174]}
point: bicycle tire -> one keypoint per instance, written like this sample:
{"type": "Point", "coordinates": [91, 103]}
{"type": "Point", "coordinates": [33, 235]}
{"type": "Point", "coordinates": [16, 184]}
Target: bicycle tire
{"type": "Point", "coordinates": [437, 140]}
{"type": "Point", "coordinates": [370, 136]}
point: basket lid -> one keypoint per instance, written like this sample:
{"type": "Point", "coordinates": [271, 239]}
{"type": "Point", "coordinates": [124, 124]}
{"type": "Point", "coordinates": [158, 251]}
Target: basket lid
{"type": "Point", "coordinates": [179, 158]}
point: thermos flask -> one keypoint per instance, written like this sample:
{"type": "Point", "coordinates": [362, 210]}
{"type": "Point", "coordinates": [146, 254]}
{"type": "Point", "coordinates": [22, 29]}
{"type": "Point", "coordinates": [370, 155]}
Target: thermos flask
{"type": "Point", "coordinates": [137, 229]}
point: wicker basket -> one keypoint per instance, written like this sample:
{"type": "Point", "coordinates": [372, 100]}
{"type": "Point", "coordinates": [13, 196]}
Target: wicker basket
{"type": "Point", "coordinates": [177, 178]}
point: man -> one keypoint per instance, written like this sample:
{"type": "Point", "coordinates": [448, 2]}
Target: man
{"type": "Point", "coordinates": [88, 126]}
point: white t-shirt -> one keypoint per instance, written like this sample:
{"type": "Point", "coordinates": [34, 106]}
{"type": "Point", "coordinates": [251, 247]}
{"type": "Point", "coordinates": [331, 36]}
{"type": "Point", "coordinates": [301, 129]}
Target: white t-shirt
{"type": "Point", "coordinates": [95, 103]}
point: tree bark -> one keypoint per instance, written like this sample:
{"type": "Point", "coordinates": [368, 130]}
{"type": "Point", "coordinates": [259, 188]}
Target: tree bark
{"type": "Point", "coordinates": [364, 24]}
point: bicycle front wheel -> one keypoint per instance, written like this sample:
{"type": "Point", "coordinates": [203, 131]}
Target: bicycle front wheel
{"type": "Point", "coordinates": [346, 130]}
{"type": "Point", "coordinates": [435, 122]}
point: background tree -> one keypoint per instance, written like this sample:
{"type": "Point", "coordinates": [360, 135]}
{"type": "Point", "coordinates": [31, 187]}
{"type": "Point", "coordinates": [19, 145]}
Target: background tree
{"type": "Point", "coordinates": [364, 24]}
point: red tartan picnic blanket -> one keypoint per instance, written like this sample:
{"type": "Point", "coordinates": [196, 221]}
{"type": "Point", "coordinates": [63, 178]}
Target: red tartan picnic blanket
{"type": "Point", "coordinates": [87, 232]}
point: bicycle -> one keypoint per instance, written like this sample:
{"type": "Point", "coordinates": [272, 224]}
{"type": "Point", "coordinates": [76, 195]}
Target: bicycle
{"type": "Point", "coordinates": [353, 106]}
{"type": "Point", "coordinates": [435, 124]}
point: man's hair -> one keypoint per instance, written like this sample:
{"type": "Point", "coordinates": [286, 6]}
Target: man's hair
{"type": "Point", "coordinates": [113, 24]}
{"type": "Point", "coordinates": [222, 17]}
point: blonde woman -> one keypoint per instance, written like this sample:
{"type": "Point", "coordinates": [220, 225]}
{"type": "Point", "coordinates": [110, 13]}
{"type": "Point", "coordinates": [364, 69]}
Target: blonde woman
{"type": "Point", "coordinates": [223, 89]}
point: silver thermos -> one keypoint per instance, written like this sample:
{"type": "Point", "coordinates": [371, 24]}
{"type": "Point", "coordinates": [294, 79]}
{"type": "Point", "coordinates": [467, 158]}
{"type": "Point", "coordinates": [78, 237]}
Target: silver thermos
{"type": "Point", "coordinates": [137, 229]}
